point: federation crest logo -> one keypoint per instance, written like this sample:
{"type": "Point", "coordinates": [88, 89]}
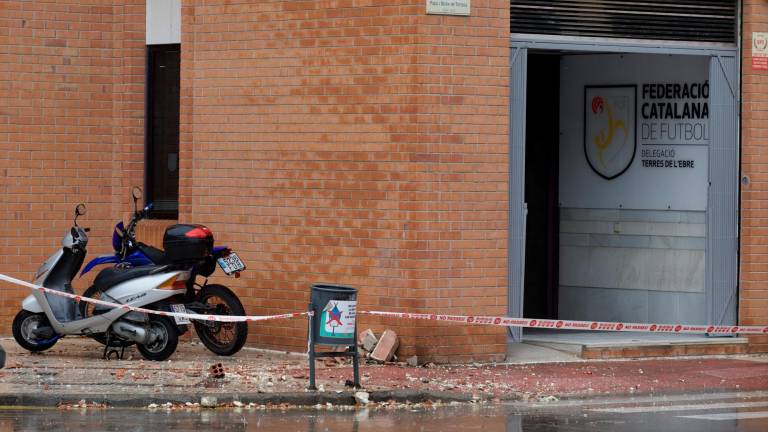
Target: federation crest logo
{"type": "Point", "coordinates": [609, 129]}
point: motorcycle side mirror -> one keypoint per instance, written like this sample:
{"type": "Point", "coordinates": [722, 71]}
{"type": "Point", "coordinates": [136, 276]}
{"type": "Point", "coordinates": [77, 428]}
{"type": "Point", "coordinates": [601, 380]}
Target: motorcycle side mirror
{"type": "Point", "coordinates": [79, 211]}
{"type": "Point", "coordinates": [137, 194]}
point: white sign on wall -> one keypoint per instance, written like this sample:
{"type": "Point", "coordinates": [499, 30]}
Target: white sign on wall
{"type": "Point", "coordinates": [650, 154]}
{"type": "Point", "coordinates": [448, 7]}
{"type": "Point", "coordinates": [759, 51]}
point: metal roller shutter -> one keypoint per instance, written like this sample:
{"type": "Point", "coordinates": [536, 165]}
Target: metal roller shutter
{"type": "Point", "coordinates": [685, 20]}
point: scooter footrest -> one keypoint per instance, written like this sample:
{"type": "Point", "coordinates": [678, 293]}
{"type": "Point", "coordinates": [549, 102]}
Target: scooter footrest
{"type": "Point", "coordinates": [44, 332]}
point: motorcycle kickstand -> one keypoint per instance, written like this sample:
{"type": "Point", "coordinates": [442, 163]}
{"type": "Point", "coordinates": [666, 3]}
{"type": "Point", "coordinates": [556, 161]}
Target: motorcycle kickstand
{"type": "Point", "coordinates": [108, 351]}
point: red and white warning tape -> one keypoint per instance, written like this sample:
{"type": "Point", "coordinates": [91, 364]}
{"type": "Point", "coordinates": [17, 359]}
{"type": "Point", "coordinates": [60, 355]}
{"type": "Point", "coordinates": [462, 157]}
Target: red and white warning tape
{"type": "Point", "coordinates": [465, 319]}
{"type": "Point", "coordinates": [191, 316]}
{"type": "Point", "coordinates": [576, 325]}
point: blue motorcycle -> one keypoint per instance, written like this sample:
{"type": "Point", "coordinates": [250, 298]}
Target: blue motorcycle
{"type": "Point", "coordinates": [186, 247]}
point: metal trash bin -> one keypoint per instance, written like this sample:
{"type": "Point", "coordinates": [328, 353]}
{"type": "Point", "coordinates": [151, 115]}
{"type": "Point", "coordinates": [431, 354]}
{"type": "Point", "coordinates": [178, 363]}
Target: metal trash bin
{"type": "Point", "coordinates": [333, 323]}
{"type": "Point", "coordinates": [335, 308]}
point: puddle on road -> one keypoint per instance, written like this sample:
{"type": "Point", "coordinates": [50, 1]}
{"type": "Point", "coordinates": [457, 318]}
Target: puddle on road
{"type": "Point", "coordinates": [483, 418]}
{"type": "Point", "coordinates": [473, 418]}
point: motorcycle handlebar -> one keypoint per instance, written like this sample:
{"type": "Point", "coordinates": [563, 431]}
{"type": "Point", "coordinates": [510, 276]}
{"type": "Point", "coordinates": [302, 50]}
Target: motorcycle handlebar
{"type": "Point", "coordinates": [130, 232]}
{"type": "Point", "coordinates": [143, 212]}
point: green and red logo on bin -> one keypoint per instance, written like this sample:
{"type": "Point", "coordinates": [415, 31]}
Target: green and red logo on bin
{"type": "Point", "coordinates": [338, 319]}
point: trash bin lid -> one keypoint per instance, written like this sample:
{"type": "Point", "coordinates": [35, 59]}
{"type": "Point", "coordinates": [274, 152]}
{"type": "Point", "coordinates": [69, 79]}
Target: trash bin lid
{"type": "Point", "coordinates": [338, 289]}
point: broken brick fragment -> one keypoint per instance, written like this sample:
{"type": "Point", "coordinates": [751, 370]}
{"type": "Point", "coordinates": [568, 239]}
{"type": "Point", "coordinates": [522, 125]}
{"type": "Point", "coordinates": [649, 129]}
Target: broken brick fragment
{"type": "Point", "coordinates": [385, 349]}
{"type": "Point", "coordinates": [216, 371]}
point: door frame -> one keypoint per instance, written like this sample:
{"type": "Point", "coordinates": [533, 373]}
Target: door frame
{"type": "Point", "coordinates": [724, 184]}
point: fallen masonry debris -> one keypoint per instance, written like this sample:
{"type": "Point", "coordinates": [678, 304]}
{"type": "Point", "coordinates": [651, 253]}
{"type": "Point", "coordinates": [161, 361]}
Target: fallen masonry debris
{"type": "Point", "coordinates": [367, 340]}
{"type": "Point", "coordinates": [69, 373]}
{"type": "Point", "coordinates": [82, 404]}
{"type": "Point", "coordinates": [381, 350]}
{"type": "Point", "coordinates": [362, 401]}
{"type": "Point", "coordinates": [216, 371]}
{"type": "Point", "coordinates": [385, 349]}
{"type": "Point", "coordinates": [362, 398]}
{"type": "Point", "coordinates": [208, 402]}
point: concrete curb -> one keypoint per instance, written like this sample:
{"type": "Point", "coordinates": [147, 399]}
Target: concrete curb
{"type": "Point", "coordinates": [640, 394]}
{"type": "Point", "coordinates": [346, 398]}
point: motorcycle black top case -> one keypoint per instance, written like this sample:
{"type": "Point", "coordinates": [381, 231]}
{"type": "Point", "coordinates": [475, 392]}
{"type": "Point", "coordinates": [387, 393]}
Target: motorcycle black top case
{"type": "Point", "coordinates": [187, 243]}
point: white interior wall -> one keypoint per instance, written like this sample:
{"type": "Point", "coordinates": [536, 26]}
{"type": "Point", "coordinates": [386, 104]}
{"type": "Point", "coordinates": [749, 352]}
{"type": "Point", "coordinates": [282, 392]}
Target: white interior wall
{"type": "Point", "coordinates": [631, 248]}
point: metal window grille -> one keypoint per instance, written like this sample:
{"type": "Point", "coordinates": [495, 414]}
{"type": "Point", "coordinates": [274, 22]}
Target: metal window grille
{"type": "Point", "coordinates": [684, 20]}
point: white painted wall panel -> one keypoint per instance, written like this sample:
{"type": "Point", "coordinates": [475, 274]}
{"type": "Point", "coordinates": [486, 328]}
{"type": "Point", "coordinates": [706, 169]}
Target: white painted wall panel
{"type": "Point", "coordinates": [600, 304]}
{"type": "Point", "coordinates": [632, 268]}
{"type": "Point", "coordinates": [632, 265]}
{"type": "Point", "coordinates": [163, 22]}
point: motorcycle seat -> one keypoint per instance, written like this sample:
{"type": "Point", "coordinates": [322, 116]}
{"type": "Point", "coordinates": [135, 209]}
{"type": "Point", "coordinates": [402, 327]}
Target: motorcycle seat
{"type": "Point", "coordinates": [112, 276]}
{"type": "Point", "coordinates": [155, 255]}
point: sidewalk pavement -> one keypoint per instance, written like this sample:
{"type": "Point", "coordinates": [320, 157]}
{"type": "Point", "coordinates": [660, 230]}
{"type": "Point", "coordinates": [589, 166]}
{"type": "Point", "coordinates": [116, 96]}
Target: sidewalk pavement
{"type": "Point", "coordinates": [73, 370]}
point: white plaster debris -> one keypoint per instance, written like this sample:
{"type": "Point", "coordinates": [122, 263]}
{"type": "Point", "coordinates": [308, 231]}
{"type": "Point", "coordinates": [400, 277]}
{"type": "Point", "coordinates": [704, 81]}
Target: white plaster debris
{"type": "Point", "coordinates": [362, 398]}
{"type": "Point", "coordinates": [208, 402]}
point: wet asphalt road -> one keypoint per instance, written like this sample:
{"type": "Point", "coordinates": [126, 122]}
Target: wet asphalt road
{"type": "Point", "coordinates": [681, 413]}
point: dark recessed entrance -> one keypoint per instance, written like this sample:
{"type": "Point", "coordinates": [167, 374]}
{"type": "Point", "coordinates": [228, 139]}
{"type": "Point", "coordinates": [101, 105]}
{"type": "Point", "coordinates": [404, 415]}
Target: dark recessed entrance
{"type": "Point", "coordinates": [541, 186]}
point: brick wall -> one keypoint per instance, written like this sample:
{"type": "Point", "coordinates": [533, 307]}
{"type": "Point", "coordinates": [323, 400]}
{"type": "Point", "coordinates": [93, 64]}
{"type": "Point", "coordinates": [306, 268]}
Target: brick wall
{"type": "Point", "coordinates": [351, 141]}
{"type": "Point", "coordinates": [753, 299]}
{"type": "Point", "coordinates": [362, 143]}
{"type": "Point", "coordinates": [355, 142]}
{"type": "Point", "coordinates": [71, 118]}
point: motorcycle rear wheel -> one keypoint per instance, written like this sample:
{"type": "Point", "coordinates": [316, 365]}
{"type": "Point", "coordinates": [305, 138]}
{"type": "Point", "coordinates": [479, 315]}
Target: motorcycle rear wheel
{"type": "Point", "coordinates": [165, 344]}
{"type": "Point", "coordinates": [23, 325]}
{"type": "Point", "coordinates": [222, 338]}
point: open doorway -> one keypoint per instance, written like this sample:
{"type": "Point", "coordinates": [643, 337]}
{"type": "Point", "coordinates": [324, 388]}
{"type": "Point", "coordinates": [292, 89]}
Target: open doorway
{"type": "Point", "coordinates": [615, 179]}
{"type": "Point", "coordinates": [541, 186]}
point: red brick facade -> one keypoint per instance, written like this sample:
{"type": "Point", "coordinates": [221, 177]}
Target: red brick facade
{"type": "Point", "coordinates": [71, 126]}
{"type": "Point", "coordinates": [753, 292]}
{"type": "Point", "coordinates": [362, 143]}
{"type": "Point", "coordinates": [365, 144]}
{"type": "Point", "coordinates": [355, 142]}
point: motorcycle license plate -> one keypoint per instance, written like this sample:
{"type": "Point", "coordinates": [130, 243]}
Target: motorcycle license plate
{"type": "Point", "coordinates": [179, 308]}
{"type": "Point", "coordinates": [231, 263]}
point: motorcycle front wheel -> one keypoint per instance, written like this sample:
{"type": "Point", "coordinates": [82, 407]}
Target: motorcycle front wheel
{"type": "Point", "coordinates": [23, 327]}
{"type": "Point", "coordinates": [222, 338]}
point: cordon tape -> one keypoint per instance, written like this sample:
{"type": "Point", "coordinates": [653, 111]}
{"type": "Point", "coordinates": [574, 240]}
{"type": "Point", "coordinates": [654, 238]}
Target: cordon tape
{"type": "Point", "coordinates": [577, 325]}
{"type": "Point", "coordinates": [461, 319]}
{"type": "Point", "coordinates": [221, 318]}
